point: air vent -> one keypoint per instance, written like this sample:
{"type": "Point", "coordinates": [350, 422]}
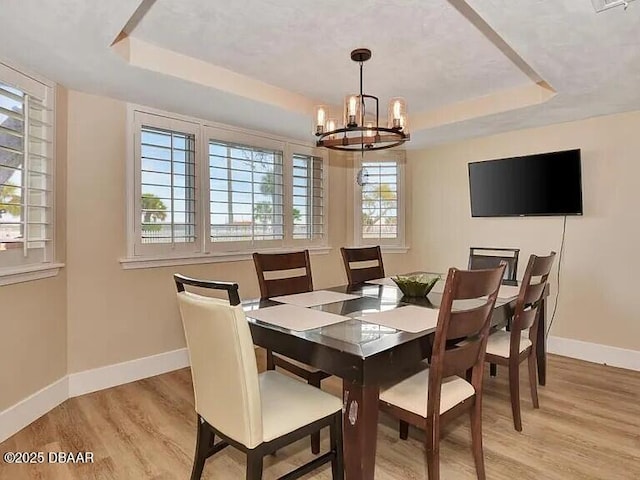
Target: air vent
{"type": "Point", "coordinates": [602, 5]}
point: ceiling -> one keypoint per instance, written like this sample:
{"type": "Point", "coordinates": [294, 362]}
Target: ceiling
{"type": "Point", "coordinates": [263, 64]}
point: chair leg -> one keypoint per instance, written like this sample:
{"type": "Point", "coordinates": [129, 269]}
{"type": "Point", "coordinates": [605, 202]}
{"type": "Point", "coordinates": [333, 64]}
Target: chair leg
{"type": "Point", "coordinates": [514, 391]}
{"type": "Point", "coordinates": [493, 369]}
{"type": "Point", "coordinates": [432, 442]}
{"type": "Point", "coordinates": [335, 439]}
{"type": "Point", "coordinates": [254, 466]}
{"type": "Point", "coordinates": [314, 380]}
{"type": "Point", "coordinates": [404, 430]}
{"type": "Point", "coordinates": [204, 440]}
{"type": "Point", "coordinates": [476, 438]}
{"type": "Point", "coordinates": [270, 362]}
{"type": "Point", "coordinates": [533, 380]}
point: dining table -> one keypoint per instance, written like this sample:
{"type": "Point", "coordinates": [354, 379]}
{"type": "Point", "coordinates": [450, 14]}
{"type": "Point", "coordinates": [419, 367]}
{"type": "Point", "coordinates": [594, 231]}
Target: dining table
{"type": "Point", "coordinates": [364, 354]}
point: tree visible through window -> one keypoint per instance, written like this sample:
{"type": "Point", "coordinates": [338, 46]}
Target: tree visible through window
{"type": "Point", "coordinates": [379, 200]}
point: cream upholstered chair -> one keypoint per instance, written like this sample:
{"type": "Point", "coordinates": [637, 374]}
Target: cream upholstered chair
{"type": "Point", "coordinates": [514, 347]}
{"type": "Point", "coordinates": [256, 413]}
{"type": "Point", "coordinates": [439, 392]}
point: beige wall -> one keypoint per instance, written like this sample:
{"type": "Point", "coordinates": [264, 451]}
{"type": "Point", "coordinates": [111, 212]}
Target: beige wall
{"type": "Point", "coordinates": [33, 343]}
{"type": "Point", "coordinates": [599, 299]}
{"type": "Point", "coordinates": [115, 315]}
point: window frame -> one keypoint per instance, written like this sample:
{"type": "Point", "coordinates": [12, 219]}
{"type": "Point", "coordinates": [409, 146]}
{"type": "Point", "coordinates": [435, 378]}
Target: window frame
{"type": "Point", "coordinates": [206, 250]}
{"type": "Point", "coordinates": [390, 244]}
{"type": "Point", "coordinates": [45, 91]}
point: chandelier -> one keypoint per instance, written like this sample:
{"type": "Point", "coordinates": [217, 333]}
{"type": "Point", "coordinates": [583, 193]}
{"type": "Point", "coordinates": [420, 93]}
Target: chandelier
{"type": "Point", "coordinates": [360, 129]}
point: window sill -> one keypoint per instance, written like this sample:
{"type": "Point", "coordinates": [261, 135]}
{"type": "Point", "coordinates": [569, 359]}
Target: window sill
{"type": "Point", "coordinates": [134, 263]}
{"type": "Point", "coordinates": [28, 273]}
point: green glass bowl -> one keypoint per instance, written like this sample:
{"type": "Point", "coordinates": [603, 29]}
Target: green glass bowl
{"type": "Point", "coordinates": [416, 285]}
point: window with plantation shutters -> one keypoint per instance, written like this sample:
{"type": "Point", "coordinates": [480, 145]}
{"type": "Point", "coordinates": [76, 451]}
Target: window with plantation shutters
{"type": "Point", "coordinates": [379, 213]}
{"type": "Point", "coordinates": [308, 197]}
{"type": "Point", "coordinates": [201, 193]}
{"type": "Point", "coordinates": [167, 186]}
{"type": "Point", "coordinates": [246, 201]}
{"type": "Point", "coordinates": [26, 171]}
{"type": "Point", "coordinates": [166, 208]}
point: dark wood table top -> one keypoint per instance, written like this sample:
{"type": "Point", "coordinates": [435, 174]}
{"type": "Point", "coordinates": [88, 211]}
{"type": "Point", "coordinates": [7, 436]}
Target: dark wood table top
{"type": "Point", "coordinates": [356, 350]}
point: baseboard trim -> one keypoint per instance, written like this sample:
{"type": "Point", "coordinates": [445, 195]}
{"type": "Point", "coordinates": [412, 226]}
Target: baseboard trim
{"type": "Point", "coordinates": [595, 352]}
{"type": "Point", "coordinates": [28, 410]}
{"type": "Point", "coordinates": [18, 416]}
{"type": "Point", "coordinates": [120, 373]}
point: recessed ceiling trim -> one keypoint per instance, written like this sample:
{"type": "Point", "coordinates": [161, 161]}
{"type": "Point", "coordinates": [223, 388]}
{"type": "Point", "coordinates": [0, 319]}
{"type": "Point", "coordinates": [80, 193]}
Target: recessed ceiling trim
{"type": "Point", "coordinates": [475, 19]}
{"type": "Point", "coordinates": [134, 20]}
{"type": "Point", "coordinates": [502, 101]}
{"type": "Point", "coordinates": [150, 57]}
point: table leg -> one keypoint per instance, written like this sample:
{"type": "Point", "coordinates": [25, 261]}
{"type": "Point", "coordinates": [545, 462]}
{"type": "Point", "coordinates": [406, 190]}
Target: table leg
{"type": "Point", "coordinates": [360, 424]}
{"type": "Point", "coordinates": [541, 348]}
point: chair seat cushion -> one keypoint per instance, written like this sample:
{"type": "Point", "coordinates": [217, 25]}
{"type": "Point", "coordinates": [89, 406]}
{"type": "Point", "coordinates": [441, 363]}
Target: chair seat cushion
{"type": "Point", "coordinates": [412, 393]}
{"type": "Point", "coordinates": [298, 364]}
{"type": "Point", "coordinates": [289, 404]}
{"type": "Point", "coordinates": [498, 343]}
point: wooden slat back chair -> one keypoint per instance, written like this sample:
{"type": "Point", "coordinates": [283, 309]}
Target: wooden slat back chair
{"type": "Point", "coordinates": [512, 348]}
{"type": "Point", "coordinates": [235, 403]}
{"type": "Point", "coordinates": [438, 394]}
{"type": "Point", "coordinates": [273, 287]}
{"type": "Point", "coordinates": [356, 274]}
{"type": "Point", "coordinates": [486, 257]}
{"type": "Point", "coordinates": [279, 262]}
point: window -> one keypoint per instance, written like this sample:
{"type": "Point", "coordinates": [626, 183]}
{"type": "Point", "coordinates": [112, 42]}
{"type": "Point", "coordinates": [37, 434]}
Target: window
{"type": "Point", "coordinates": [379, 216]}
{"type": "Point", "coordinates": [308, 197]}
{"type": "Point", "coordinates": [246, 193]}
{"type": "Point", "coordinates": [168, 186]}
{"type": "Point", "coordinates": [166, 219]}
{"type": "Point", "coordinates": [26, 171]}
{"type": "Point", "coordinates": [201, 191]}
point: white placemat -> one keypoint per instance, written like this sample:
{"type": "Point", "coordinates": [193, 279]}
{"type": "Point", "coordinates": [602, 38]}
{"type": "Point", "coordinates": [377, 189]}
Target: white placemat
{"type": "Point", "coordinates": [311, 299]}
{"type": "Point", "coordinates": [295, 318]}
{"type": "Point", "coordinates": [506, 291]}
{"type": "Point", "coordinates": [382, 281]}
{"type": "Point", "coordinates": [408, 319]}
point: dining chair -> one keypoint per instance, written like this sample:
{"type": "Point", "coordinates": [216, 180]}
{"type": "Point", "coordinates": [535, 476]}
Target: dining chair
{"type": "Point", "coordinates": [358, 274]}
{"type": "Point", "coordinates": [519, 344]}
{"type": "Point", "coordinates": [488, 257]}
{"type": "Point", "coordinates": [440, 392]}
{"type": "Point", "coordinates": [256, 413]}
{"type": "Point", "coordinates": [297, 280]}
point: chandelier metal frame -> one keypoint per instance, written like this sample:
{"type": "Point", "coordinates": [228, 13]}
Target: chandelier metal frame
{"type": "Point", "coordinates": [356, 137]}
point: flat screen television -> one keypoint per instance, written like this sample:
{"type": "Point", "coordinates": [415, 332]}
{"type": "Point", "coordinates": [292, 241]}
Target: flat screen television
{"type": "Point", "coordinates": [542, 184]}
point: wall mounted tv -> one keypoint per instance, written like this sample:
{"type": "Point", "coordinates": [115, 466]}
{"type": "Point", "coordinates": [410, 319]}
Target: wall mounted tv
{"type": "Point", "coordinates": [542, 184]}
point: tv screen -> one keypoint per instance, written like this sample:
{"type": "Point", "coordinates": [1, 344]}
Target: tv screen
{"type": "Point", "coordinates": [543, 184]}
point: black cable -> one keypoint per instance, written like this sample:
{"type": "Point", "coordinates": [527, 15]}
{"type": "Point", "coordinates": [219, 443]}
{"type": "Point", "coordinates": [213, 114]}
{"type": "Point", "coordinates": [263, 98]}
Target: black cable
{"type": "Point", "coordinates": [555, 306]}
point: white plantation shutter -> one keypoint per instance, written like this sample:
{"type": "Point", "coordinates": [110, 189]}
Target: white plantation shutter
{"type": "Point", "coordinates": [246, 198]}
{"type": "Point", "coordinates": [308, 197]}
{"type": "Point", "coordinates": [379, 200]}
{"type": "Point", "coordinates": [166, 186]}
{"type": "Point", "coordinates": [26, 170]}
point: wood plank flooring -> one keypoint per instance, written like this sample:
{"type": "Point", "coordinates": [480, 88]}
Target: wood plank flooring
{"type": "Point", "coordinates": [588, 428]}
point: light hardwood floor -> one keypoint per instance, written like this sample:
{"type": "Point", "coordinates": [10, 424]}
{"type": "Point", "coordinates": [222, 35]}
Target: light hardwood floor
{"type": "Point", "coordinates": [588, 427]}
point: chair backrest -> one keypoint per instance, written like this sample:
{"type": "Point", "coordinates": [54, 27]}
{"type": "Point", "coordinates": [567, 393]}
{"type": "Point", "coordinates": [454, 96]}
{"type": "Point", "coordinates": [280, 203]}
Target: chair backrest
{"type": "Point", "coordinates": [358, 274]}
{"type": "Point", "coordinates": [485, 257]}
{"type": "Point", "coordinates": [280, 262]}
{"type": "Point", "coordinates": [475, 293]}
{"type": "Point", "coordinates": [223, 362]}
{"type": "Point", "coordinates": [530, 296]}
